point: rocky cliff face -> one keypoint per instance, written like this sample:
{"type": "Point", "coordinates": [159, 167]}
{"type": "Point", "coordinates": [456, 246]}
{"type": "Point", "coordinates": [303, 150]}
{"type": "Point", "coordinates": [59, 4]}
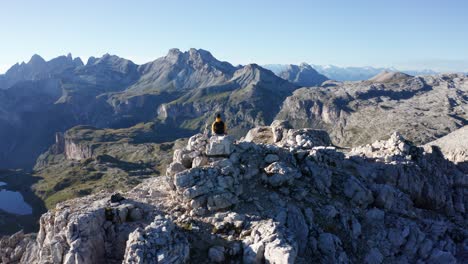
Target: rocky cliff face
{"type": "Point", "coordinates": [252, 97]}
{"type": "Point", "coordinates": [86, 160]}
{"type": "Point", "coordinates": [77, 151]}
{"type": "Point", "coordinates": [295, 200]}
{"type": "Point", "coordinates": [356, 113]}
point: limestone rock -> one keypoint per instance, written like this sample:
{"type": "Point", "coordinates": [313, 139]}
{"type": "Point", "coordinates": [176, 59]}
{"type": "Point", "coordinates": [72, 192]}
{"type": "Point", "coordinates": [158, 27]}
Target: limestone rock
{"type": "Point", "coordinates": [175, 167]}
{"type": "Point", "coordinates": [259, 135]}
{"type": "Point", "coordinates": [279, 129]}
{"type": "Point", "coordinates": [269, 241]}
{"type": "Point", "coordinates": [159, 242]}
{"type": "Point", "coordinates": [305, 138]}
{"type": "Point", "coordinates": [279, 173]}
{"type": "Point", "coordinates": [220, 146]}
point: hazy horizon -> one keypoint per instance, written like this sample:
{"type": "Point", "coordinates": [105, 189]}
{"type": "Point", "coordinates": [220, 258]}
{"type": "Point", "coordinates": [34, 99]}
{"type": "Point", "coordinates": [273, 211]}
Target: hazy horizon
{"type": "Point", "coordinates": [85, 59]}
{"type": "Point", "coordinates": [414, 35]}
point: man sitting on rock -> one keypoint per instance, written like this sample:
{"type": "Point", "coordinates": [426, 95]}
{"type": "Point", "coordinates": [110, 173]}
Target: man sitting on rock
{"type": "Point", "coordinates": [218, 127]}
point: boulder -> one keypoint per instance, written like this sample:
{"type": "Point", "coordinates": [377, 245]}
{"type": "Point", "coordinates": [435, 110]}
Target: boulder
{"type": "Point", "coordinates": [260, 135]}
{"type": "Point", "coordinates": [175, 167]}
{"type": "Point", "coordinates": [183, 157]}
{"type": "Point", "coordinates": [199, 161]}
{"type": "Point", "coordinates": [197, 142]}
{"type": "Point", "coordinates": [279, 129]}
{"type": "Point", "coordinates": [158, 242]}
{"type": "Point", "coordinates": [280, 173]}
{"type": "Point", "coordinates": [269, 242]}
{"type": "Point", "coordinates": [220, 146]}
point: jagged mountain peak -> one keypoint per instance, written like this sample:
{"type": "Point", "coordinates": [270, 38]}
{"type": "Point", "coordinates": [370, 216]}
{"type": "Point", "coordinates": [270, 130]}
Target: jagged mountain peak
{"type": "Point", "coordinates": [78, 61]}
{"type": "Point", "coordinates": [302, 66]}
{"type": "Point", "coordinates": [91, 60]}
{"type": "Point", "coordinates": [253, 73]}
{"type": "Point", "coordinates": [110, 58]}
{"type": "Point", "coordinates": [173, 52]}
{"type": "Point", "coordinates": [114, 62]}
{"type": "Point", "coordinates": [186, 70]}
{"type": "Point", "coordinates": [195, 57]}
{"type": "Point", "coordinates": [191, 53]}
{"type": "Point", "coordinates": [251, 67]}
{"type": "Point", "coordinates": [36, 59]}
{"type": "Point", "coordinates": [303, 75]}
{"type": "Point", "coordinates": [37, 68]}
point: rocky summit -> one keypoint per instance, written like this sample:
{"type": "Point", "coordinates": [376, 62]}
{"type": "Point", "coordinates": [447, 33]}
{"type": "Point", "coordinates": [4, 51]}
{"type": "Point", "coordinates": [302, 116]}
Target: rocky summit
{"type": "Point", "coordinates": [279, 195]}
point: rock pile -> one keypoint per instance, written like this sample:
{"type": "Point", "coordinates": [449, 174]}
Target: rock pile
{"type": "Point", "coordinates": [396, 148]}
{"type": "Point", "coordinates": [281, 133]}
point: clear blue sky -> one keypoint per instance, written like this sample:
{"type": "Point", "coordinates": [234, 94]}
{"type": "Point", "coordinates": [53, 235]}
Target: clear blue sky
{"type": "Point", "coordinates": [408, 34]}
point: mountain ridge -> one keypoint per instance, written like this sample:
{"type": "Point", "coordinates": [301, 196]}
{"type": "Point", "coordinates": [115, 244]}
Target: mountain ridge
{"type": "Point", "coordinates": [112, 92]}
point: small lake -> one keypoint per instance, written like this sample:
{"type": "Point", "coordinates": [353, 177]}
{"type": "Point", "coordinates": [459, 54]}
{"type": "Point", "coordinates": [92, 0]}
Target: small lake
{"type": "Point", "coordinates": [13, 202]}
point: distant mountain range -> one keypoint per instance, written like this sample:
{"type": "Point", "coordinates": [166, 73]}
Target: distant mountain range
{"type": "Point", "coordinates": [347, 73]}
{"type": "Point", "coordinates": [180, 93]}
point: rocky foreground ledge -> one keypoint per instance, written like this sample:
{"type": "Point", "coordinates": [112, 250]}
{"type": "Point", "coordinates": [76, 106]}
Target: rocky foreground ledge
{"type": "Point", "coordinates": [278, 196]}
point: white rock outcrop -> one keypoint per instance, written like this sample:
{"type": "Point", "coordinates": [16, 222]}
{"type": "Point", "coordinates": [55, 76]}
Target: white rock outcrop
{"type": "Point", "coordinates": [159, 242]}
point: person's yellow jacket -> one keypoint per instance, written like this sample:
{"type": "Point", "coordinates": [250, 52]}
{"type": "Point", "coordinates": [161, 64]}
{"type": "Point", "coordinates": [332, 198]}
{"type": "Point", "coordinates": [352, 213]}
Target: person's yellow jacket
{"type": "Point", "coordinates": [215, 124]}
